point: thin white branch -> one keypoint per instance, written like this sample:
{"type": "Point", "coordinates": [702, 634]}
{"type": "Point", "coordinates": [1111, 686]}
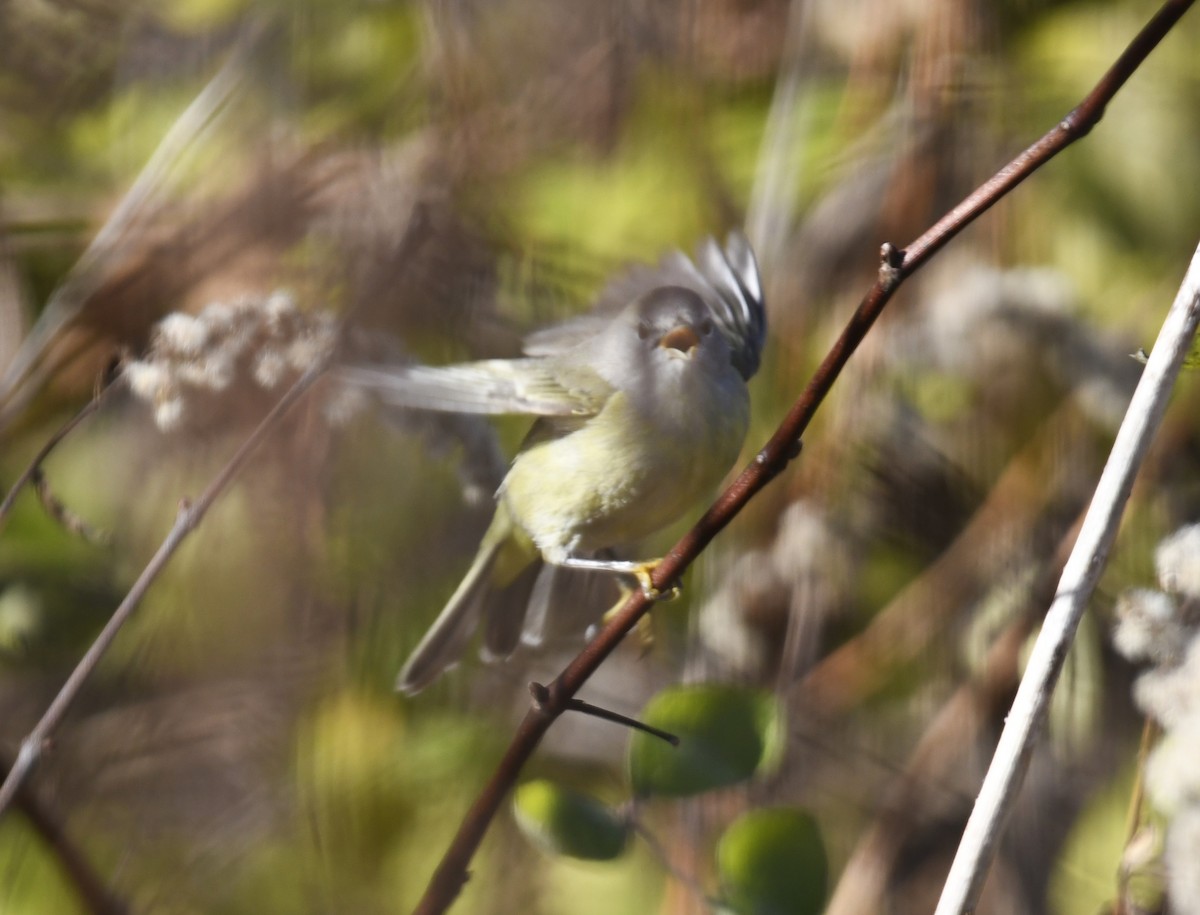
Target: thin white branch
{"type": "Point", "coordinates": [1079, 578]}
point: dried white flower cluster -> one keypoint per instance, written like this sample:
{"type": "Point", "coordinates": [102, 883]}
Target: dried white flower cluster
{"type": "Point", "coordinates": [266, 338]}
{"type": "Point", "coordinates": [1162, 628]}
{"type": "Point", "coordinates": [797, 583]}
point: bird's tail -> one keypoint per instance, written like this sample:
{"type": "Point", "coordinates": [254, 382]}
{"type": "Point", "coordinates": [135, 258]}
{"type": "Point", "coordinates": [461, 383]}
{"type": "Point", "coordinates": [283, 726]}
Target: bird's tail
{"type": "Point", "coordinates": [497, 585]}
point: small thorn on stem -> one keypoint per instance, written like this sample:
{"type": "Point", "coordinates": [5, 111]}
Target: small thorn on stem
{"type": "Point", "coordinates": [540, 694]}
{"type": "Point", "coordinates": [578, 705]}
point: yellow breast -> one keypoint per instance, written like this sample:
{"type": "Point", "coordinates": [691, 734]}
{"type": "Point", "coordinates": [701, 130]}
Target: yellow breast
{"type": "Point", "coordinates": [622, 476]}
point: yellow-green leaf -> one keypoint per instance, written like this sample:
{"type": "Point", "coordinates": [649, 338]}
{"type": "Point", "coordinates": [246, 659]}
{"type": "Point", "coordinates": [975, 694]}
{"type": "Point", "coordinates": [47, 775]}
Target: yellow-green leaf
{"type": "Point", "coordinates": [725, 734]}
{"type": "Point", "coordinates": [772, 862]}
{"type": "Point", "coordinates": [566, 822]}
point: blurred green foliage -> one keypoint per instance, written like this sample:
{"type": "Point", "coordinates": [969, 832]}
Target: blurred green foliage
{"type": "Point", "coordinates": [551, 143]}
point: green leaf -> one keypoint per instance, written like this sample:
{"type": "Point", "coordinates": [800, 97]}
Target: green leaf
{"type": "Point", "coordinates": [725, 734]}
{"type": "Point", "coordinates": [566, 822]}
{"type": "Point", "coordinates": [772, 862]}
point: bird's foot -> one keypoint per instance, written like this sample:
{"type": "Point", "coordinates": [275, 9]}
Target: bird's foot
{"type": "Point", "coordinates": [639, 571]}
{"type": "Point", "coordinates": [643, 629]}
{"type": "Point", "coordinates": [642, 571]}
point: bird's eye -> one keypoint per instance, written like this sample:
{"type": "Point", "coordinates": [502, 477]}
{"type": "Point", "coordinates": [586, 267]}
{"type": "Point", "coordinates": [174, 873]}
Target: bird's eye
{"type": "Point", "coordinates": [644, 330]}
{"type": "Point", "coordinates": [706, 327]}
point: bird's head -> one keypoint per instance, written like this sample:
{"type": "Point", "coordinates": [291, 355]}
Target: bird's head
{"type": "Point", "coordinates": [664, 335]}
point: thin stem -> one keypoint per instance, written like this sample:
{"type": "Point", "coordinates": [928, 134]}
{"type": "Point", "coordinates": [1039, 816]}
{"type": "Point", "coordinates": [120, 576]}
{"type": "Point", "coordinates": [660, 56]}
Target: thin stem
{"type": "Point", "coordinates": [541, 694]}
{"type": "Point", "coordinates": [96, 896]}
{"type": "Point", "coordinates": [1133, 819]}
{"type": "Point", "coordinates": [451, 873]}
{"type": "Point", "coordinates": [694, 886]}
{"type": "Point", "coordinates": [186, 520]}
{"type": "Point", "coordinates": [57, 509]}
{"type": "Point", "coordinates": [31, 472]}
{"type": "Point", "coordinates": [578, 705]}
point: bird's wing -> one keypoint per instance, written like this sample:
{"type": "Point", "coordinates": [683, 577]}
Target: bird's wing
{"type": "Point", "coordinates": [728, 281]}
{"type": "Point", "coordinates": [535, 387]}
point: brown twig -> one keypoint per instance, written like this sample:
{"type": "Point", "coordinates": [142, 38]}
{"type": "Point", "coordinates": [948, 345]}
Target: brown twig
{"type": "Point", "coordinates": [684, 879]}
{"type": "Point", "coordinates": [604, 714]}
{"type": "Point", "coordinates": [57, 509]}
{"type": "Point", "coordinates": [96, 896]}
{"type": "Point", "coordinates": [541, 694]}
{"type": "Point", "coordinates": [896, 266]}
{"type": "Point", "coordinates": [1133, 818]}
{"type": "Point", "coordinates": [33, 471]}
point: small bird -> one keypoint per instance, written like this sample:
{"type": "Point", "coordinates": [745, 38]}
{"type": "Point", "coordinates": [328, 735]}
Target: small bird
{"type": "Point", "coordinates": [640, 409]}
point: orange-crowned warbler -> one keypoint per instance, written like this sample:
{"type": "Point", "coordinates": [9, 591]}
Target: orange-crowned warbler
{"type": "Point", "coordinates": [640, 410]}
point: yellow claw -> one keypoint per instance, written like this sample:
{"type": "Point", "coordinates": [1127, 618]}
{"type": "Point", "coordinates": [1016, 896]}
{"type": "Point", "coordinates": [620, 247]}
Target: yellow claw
{"type": "Point", "coordinates": [642, 573]}
{"type": "Point", "coordinates": [643, 630]}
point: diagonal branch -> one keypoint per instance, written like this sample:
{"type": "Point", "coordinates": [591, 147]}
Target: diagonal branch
{"type": "Point", "coordinates": [452, 872]}
{"type": "Point", "coordinates": [187, 519]}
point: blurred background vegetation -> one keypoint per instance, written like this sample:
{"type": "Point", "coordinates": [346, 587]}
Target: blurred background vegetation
{"type": "Point", "coordinates": [240, 750]}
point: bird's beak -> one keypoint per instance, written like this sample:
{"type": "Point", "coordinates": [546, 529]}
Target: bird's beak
{"type": "Point", "coordinates": [681, 338]}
